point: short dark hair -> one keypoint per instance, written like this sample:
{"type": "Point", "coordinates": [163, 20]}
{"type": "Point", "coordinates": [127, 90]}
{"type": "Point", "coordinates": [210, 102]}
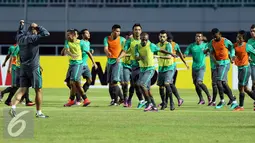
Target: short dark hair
{"type": "Point", "coordinates": [72, 31]}
{"type": "Point", "coordinates": [137, 24]}
{"type": "Point", "coordinates": [252, 26]}
{"type": "Point", "coordinates": [83, 30]}
{"type": "Point", "coordinates": [163, 32]}
{"type": "Point", "coordinates": [242, 33]}
{"type": "Point", "coordinates": [115, 26]}
{"type": "Point", "coordinates": [199, 33]}
{"type": "Point", "coordinates": [215, 30]}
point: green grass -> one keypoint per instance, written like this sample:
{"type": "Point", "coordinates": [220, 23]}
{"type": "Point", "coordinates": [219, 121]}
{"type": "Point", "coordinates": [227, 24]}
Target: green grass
{"type": "Point", "coordinates": [190, 123]}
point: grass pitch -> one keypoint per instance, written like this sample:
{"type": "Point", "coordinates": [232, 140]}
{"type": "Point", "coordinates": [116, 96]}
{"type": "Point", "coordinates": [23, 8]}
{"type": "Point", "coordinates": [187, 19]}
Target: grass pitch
{"type": "Point", "coordinates": [190, 123]}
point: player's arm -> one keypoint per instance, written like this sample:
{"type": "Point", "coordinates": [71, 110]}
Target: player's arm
{"type": "Point", "coordinates": [124, 51]}
{"type": "Point", "coordinates": [10, 65]}
{"type": "Point", "coordinates": [6, 59]}
{"type": "Point", "coordinates": [63, 51]}
{"type": "Point", "coordinates": [166, 52]}
{"type": "Point", "coordinates": [106, 50]}
{"type": "Point", "coordinates": [212, 54]}
{"type": "Point", "coordinates": [179, 53]}
{"type": "Point", "coordinates": [68, 52]}
{"type": "Point", "coordinates": [92, 59]}
{"type": "Point", "coordinates": [87, 50]}
{"type": "Point", "coordinates": [42, 32]}
{"type": "Point", "coordinates": [231, 49]}
{"type": "Point", "coordinates": [187, 51]}
{"type": "Point", "coordinates": [250, 49]}
{"type": "Point", "coordinates": [168, 49]}
{"type": "Point", "coordinates": [20, 32]}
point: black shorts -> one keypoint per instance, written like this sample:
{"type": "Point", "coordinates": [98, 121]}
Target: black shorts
{"type": "Point", "coordinates": [31, 78]}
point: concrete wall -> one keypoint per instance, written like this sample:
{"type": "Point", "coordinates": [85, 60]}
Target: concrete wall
{"type": "Point", "coordinates": [152, 19]}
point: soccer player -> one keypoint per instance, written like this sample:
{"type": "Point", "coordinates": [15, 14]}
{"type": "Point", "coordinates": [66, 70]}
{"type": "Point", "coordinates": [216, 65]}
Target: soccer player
{"type": "Point", "coordinates": [113, 46]}
{"type": "Point", "coordinates": [220, 48]}
{"type": "Point", "coordinates": [67, 79]}
{"type": "Point", "coordinates": [242, 49]}
{"type": "Point", "coordinates": [75, 49]}
{"type": "Point", "coordinates": [16, 82]}
{"type": "Point", "coordinates": [145, 55]}
{"type": "Point", "coordinates": [196, 49]}
{"type": "Point", "coordinates": [251, 41]}
{"type": "Point", "coordinates": [11, 69]}
{"type": "Point", "coordinates": [129, 52]}
{"type": "Point", "coordinates": [166, 70]}
{"type": "Point", "coordinates": [177, 51]}
{"type": "Point", "coordinates": [86, 74]}
{"type": "Point", "coordinates": [30, 74]}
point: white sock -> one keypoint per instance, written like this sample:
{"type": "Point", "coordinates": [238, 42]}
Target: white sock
{"type": "Point", "coordinates": [141, 101]}
{"type": "Point", "coordinates": [39, 112]}
{"type": "Point", "coordinates": [234, 102]}
{"type": "Point", "coordinates": [13, 106]}
{"type": "Point", "coordinates": [222, 100]}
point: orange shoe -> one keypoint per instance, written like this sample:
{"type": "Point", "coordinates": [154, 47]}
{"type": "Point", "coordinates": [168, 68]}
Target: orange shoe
{"type": "Point", "coordinates": [86, 102]}
{"type": "Point", "coordinates": [239, 108]}
{"type": "Point", "coordinates": [30, 104]}
{"type": "Point", "coordinates": [69, 103]}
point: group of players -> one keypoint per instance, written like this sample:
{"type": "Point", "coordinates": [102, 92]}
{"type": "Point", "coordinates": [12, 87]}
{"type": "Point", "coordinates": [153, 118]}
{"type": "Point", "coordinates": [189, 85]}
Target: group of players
{"type": "Point", "coordinates": [131, 60]}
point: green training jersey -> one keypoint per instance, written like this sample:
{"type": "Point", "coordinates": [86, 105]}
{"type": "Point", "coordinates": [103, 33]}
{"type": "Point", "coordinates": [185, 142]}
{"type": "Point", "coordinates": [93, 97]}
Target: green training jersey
{"type": "Point", "coordinates": [197, 53]}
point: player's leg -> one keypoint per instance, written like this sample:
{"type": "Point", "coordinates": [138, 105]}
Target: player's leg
{"type": "Point", "coordinates": [167, 81]}
{"type": "Point", "coordinates": [126, 80]}
{"type": "Point", "coordinates": [109, 71]}
{"type": "Point", "coordinates": [174, 89]}
{"type": "Point", "coordinates": [214, 87]}
{"type": "Point", "coordinates": [245, 83]}
{"type": "Point", "coordinates": [198, 89]}
{"type": "Point", "coordinates": [115, 78]}
{"type": "Point", "coordinates": [24, 84]}
{"type": "Point", "coordinates": [36, 82]}
{"type": "Point", "coordinates": [253, 76]}
{"type": "Point", "coordinates": [200, 83]}
{"type": "Point", "coordinates": [135, 77]}
{"type": "Point", "coordinates": [69, 84]}
{"type": "Point", "coordinates": [161, 86]}
{"type": "Point", "coordinates": [223, 85]}
{"type": "Point", "coordinates": [87, 75]}
{"type": "Point", "coordinates": [144, 83]}
{"type": "Point", "coordinates": [76, 79]}
{"type": "Point", "coordinates": [242, 75]}
{"type": "Point", "coordinates": [6, 90]}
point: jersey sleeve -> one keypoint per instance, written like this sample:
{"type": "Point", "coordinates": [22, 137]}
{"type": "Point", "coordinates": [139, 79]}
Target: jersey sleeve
{"type": "Point", "coordinates": [230, 47]}
{"type": "Point", "coordinates": [127, 45]}
{"type": "Point", "coordinates": [177, 48]}
{"type": "Point", "coordinates": [66, 44]}
{"type": "Point", "coordinates": [122, 42]}
{"type": "Point", "coordinates": [154, 48]}
{"type": "Point", "coordinates": [106, 41]}
{"type": "Point", "coordinates": [10, 50]}
{"type": "Point", "coordinates": [250, 49]}
{"type": "Point", "coordinates": [187, 51]}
